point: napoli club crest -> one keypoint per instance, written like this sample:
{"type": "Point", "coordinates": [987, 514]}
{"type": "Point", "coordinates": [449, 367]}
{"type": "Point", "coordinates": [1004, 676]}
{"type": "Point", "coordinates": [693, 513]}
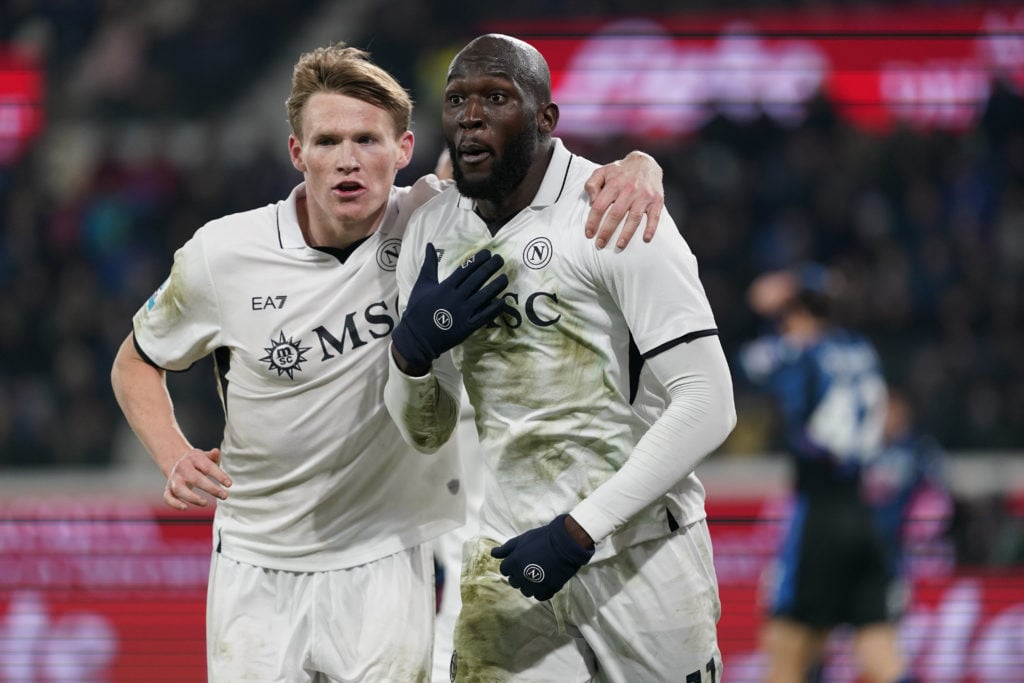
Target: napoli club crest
{"type": "Point", "coordinates": [387, 254]}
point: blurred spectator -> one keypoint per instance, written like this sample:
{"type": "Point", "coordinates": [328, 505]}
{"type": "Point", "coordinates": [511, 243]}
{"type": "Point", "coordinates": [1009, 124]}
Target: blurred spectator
{"type": "Point", "coordinates": [832, 567]}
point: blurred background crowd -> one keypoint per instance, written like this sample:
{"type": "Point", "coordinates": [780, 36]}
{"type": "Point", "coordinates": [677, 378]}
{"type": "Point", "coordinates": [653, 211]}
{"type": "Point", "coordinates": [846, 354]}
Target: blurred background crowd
{"type": "Point", "coordinates": [160, 115]}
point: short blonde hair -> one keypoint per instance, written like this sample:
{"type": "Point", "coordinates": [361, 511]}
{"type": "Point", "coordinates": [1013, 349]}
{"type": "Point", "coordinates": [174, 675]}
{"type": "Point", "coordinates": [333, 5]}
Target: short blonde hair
{"type": "Point", "coordinates": [346, 71]}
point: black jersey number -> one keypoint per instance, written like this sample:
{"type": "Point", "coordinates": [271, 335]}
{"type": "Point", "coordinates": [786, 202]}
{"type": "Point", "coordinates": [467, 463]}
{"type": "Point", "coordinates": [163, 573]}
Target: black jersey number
{"type": "Point", "coordinates": [698, 676]}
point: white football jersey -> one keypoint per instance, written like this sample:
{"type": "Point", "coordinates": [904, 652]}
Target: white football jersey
{"type": "Point", "coordinates": [550, 380]}
{"type": "Point", "coordinates": [322, 477]}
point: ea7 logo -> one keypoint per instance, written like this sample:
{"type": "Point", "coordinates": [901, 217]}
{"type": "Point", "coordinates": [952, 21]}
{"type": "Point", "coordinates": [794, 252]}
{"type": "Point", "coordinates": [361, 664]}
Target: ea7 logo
{"type": "Point", "coordinates": [260, 303]}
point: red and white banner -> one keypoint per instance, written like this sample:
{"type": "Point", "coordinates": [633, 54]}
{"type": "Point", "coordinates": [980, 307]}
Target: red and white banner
{"type": "Point", "coordinates": [102, 593]}
{"type": "Point", "coordinates": [115, 593]}
{"type": "Point", "coordinates": [665, 77]}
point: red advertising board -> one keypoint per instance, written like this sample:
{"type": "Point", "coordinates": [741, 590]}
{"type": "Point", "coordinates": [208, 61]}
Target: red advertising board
{"type": "Point", "coordinates": [665, 76]}
{"type": "Point", "coordinates": [102, 592]}
{"type": "Point", "coordinates": [21, 102]}
{"type": "Point", "coordinates": [115, 593]}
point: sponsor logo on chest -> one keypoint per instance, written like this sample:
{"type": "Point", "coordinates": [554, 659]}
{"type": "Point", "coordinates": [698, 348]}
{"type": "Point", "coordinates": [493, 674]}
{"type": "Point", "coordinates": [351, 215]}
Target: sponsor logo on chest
{"type": "Point", "coordinates": [288, 352]}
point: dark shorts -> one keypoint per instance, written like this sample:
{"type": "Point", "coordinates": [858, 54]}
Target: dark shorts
{"type": "Point", "coordinates": [834, 568]}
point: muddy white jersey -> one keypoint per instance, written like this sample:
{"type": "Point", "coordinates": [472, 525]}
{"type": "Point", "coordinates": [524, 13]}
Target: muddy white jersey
{"type": "Point", "coordinates": [322, 477]}
{"type": "Point", "coordinates": [551, 380]}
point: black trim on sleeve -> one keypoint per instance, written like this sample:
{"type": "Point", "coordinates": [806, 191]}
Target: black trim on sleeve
{"type": "Point", "coordinates": [149, 361]}
{"type": "Point", "coordinates": [685, 339]}
{"type": "Point", "coordinates": [143, 355]}
{"type": "Point", "coordinates": [636, 364]}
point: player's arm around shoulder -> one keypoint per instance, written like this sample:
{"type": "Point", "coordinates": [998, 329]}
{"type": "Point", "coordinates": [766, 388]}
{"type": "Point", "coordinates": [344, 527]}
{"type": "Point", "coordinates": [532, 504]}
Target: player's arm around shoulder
{"type": "Point", "coordinates": [420, 192]}
{"type": "Point", "coordinates": [644, 267]}
{"type": "Point", "coordinates": [625, 195]}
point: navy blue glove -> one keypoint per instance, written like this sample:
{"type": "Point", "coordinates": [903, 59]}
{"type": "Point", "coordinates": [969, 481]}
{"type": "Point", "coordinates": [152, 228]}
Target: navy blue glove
{"type": "Point", "coordinates": [540, 561]}
{"type": "Point", "coordinates": [441, 315]}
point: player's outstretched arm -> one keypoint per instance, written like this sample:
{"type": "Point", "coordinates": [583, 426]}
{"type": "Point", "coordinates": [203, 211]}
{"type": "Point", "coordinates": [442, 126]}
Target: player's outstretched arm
{"type": "Point", "coordinates": [141, 391]}
{"type": "Point", "coordinates": [623, 192]}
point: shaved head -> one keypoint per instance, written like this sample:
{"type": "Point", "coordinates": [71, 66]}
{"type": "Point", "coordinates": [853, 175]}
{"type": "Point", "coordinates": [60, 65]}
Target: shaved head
{"type": "Point", "coordinates": [514, 58]}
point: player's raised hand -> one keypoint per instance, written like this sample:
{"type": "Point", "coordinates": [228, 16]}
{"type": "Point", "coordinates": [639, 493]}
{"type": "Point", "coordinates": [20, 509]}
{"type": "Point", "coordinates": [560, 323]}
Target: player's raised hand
{"type": "Point", "coordinates": [197, 470]}
{"type": "Point", "coordinates": [540, 561]}
{"type": "Point", "coordinates": [628, 189]}
{"type": "Point", "coordinates": [441, 315]}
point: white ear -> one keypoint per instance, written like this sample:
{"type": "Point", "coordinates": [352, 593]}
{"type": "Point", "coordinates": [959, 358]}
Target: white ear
{"type": "Point", "coordinates": [295, 153]}
{"type": "Point", "coordinates": [407, 143]}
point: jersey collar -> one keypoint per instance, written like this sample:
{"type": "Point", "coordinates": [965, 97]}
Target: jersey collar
{"type": "Point", "coordinates": [288, 231]}
{"type": "Point", "coordinates": [552, 185]}
{"type": "Point", "coordinates": [290, 234]}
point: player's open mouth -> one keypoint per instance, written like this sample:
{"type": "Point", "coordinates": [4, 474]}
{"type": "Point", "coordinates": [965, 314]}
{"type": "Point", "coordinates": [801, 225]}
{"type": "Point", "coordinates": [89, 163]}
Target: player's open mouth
{"type": "Point", "coordinates": [473, 153]}
{"type": "Point", "coordinates": [347, 188]}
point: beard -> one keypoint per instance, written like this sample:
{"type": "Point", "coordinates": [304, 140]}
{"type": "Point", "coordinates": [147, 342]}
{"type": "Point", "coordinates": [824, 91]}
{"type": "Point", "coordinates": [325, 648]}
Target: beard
{"type": "Point", "coordinates": [507, 170]}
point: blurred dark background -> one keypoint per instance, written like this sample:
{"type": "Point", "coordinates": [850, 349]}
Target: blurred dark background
{"type": "Point", "coordinates": [155, 117]}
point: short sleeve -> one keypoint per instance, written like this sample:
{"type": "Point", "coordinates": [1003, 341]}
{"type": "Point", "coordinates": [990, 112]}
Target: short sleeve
{"type": "Point", "coordinates": [180, 323]}
{"type": "Point", "coordinates": [658, 288]}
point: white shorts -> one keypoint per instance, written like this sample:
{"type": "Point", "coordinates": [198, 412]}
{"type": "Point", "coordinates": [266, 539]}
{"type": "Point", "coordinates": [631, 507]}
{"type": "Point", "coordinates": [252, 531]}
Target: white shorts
{"type": "Point", "coordinates": [649, 613]}
{"type": "Point", "coordinates": [373, 622]}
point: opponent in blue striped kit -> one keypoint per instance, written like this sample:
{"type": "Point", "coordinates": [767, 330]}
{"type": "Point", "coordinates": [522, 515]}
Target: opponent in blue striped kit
{"type": "Point", "coordinates": [833, 566]}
